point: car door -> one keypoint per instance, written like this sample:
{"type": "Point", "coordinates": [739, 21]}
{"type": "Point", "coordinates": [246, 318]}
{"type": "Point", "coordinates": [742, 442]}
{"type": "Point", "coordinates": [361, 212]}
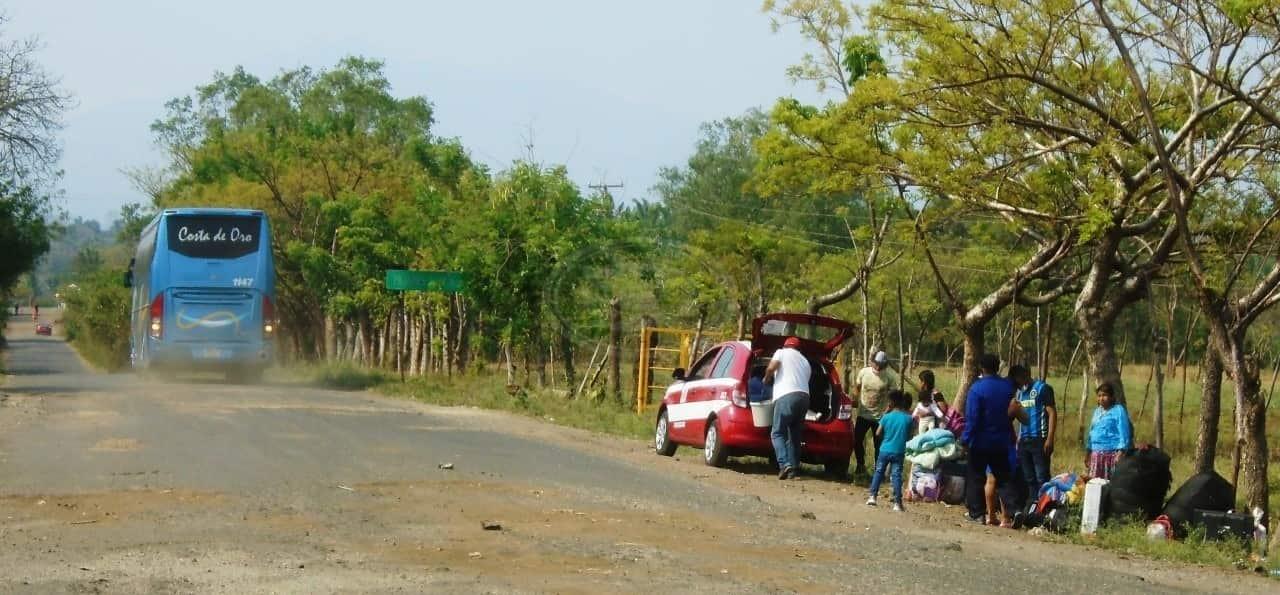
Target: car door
{"type": "Point", "coordinates": [684, 412]}
{"type": "Point", "coordinates": [714, 392]}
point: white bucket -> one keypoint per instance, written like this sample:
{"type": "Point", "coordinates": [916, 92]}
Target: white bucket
{"type": "Point", "coordinates": [762, 414]}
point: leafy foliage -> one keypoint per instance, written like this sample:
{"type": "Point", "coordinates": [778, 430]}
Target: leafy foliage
{"type": "Point", "coordinates": [97, 318]}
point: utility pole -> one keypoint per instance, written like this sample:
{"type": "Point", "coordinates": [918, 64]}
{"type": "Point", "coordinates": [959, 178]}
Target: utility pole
{"type": "Point", "coordinates": [605, 187]}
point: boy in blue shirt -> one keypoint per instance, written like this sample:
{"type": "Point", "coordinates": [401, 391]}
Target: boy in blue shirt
{"type": "Point", "coordinates": [895, 428]}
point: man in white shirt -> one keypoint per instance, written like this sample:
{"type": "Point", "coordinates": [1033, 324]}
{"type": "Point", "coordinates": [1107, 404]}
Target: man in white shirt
{"type": "Point", "coordinates": [788, 372]}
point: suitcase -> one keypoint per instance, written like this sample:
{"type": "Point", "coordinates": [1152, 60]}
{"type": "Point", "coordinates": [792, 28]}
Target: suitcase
{"type": "Point", "coordinates": [1223, 525]}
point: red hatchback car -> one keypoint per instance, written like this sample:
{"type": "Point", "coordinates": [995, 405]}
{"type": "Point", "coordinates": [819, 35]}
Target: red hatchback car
{"type": "Point", "coordinates": [708, 406]}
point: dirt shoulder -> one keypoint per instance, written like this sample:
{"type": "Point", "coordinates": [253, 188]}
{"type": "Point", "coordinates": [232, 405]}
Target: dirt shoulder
{"type": "Point", "coordinates": [842, 505]}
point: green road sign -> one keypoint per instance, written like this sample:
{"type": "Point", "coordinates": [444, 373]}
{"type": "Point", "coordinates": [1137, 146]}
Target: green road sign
{"type": "Point", "coordinates": [439, 281]}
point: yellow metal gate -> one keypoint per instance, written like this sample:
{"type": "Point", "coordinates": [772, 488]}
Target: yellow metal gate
{"type": "Point", "coordinates": [663, 350]}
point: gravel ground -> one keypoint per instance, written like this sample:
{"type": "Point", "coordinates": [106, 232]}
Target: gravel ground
{"type": "Point", "coordinates": [114, 483]}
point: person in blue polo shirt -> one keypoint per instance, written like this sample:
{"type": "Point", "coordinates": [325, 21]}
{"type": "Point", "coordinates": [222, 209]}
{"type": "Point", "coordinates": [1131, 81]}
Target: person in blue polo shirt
{"type": "Point", "coordinates": [1036, 437]}
{"type": "Point", "coordinates": [989, 411]}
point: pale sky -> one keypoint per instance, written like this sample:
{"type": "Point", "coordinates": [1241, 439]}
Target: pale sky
{"type": "Point", "coordinates": [612, 89]}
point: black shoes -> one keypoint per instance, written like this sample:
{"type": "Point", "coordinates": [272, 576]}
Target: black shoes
{"type": "Point", "coordinates": [787, 473]}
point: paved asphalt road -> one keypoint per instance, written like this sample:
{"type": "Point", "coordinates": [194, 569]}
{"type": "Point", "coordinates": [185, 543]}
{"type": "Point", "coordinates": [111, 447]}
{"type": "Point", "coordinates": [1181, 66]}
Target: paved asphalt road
{"type": "Point", "coordinates": [113, 483]}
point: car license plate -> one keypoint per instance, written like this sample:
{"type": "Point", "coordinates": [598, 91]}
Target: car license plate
{"type": "Point", "coordinates": [212, 353]}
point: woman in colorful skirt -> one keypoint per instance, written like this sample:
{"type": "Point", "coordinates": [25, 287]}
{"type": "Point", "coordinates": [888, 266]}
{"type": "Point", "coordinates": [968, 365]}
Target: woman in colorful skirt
{"type": "Point", "coordinates": [1110, 434]}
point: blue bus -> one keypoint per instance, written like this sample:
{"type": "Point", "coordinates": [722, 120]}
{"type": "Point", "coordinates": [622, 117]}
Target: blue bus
{"type": "Point", "coordinates": [204, 293]}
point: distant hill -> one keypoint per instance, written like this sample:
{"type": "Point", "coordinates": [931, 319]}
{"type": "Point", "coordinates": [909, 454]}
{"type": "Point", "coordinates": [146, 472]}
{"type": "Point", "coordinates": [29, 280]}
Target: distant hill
{"type": "Point", "coordinates": [82, 245]}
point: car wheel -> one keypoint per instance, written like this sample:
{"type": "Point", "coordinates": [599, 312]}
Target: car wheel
{"type": "Point", "coordinates": [714, 452]}
{"type": "Point", "coordinates": [838, 469]}
{"type": "Point", "coordinates": [662, 442]}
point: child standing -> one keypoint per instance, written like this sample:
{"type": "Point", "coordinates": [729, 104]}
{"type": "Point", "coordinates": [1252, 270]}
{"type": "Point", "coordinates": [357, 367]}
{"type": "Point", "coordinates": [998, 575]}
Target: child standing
{"type": "Point", "coordinates": [931, 409]}
{"type": "Point", "coordinates": [895, 428]}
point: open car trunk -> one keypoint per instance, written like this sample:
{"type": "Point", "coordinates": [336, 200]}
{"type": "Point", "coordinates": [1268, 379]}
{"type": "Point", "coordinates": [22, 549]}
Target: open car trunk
{"type": "Point", "coordinates": [824, 401]}
{"type": "Point", "coordinates": [819, 336]}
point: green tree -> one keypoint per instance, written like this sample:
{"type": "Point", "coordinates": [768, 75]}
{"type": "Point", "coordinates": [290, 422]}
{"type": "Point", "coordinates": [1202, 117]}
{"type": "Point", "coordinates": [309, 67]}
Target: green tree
{"type": "Point", "coordinates": [291, 146]}
{"type": "Point", "coordinates": [24, 231]}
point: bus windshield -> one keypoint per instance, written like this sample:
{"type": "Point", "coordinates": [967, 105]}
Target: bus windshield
{"type": "Point", "coordinates": [213, 236]}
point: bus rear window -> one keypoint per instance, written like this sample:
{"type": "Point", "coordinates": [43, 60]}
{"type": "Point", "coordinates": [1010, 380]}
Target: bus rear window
{"type": "Point", "coordinates": [213, 236]}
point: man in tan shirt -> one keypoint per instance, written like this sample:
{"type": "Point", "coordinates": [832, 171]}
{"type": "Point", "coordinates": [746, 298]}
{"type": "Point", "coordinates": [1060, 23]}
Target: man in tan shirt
{"type": "Point", "coordinates": [871, 394]}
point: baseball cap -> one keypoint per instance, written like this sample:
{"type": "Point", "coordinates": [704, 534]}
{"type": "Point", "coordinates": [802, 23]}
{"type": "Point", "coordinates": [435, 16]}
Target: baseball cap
{"type": "Point", "coordinates": [791, 342]}
{"type": "Point", "coordinates": [881, 358]}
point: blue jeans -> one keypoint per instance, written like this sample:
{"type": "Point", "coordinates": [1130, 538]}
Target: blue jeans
{"type": "Point", "coordinates": [1032, 462]}
{"type": "Point", "coordinates": [893, 461]}
{"type": "Point", "coordinates": [788, 427]}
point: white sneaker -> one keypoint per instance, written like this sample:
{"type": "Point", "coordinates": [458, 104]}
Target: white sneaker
{"type": "Point", "coordinates": [871, 501]}
{"type": "Point", "coordinates": [897, 507]}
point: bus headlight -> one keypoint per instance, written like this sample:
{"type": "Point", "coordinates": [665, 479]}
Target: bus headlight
{"type": "Point", "coordinates": [267, 328]}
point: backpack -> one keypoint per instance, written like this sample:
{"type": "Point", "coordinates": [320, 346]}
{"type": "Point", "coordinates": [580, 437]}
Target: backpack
{"type": "Point", "coordinates": [954, 421]}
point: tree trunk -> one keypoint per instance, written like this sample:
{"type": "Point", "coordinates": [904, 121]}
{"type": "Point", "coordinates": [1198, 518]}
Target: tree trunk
{"type": "Point", "coordinates": [383, 334]}
{"type": "Point", "coordinates": [762, 305]}
{"type": "Point", "coordinates": [974, 346]}
{"type": "Point", "coordinates": [694, 351]}
{"type": "Point", "coordinates": [330, 338]}
{"type": "Point", "coordinates": [901, 326]}
{"type": "Point", "coordinates": [566, 354]}
{"type": "Point", "coordinates": [615, 354]}
{"type": "Point", "coordinates": [366, 343]}
{"type": "Point", "coordinates": [1210, 411]}
{"type": "Point", "coordinates": [536, 344]}
{"type": "Point", "coordinates": [511, 367]}
{"type": "Point", "coordinates": [1084, 401]}
{"type": "Point", "coordinates": [1243, 371]}
{"type": "Point", "coordinates": [1254, 456]}
{"type": "Point", "coordinates": [443, 365]}
{"type": "Point", "coordinates": [462, 339]}
{"type": "Point", "coordinates": [1104, 366]}
{"type": "Point", "coordinates": [1158, 362]}
{"type": "Point", "coordinates": [429, 345]}
{"type": "Point", "coordinates": [415, 346]}
{"type": "Point", "coordinates": [865, 358]}
{"type": "Point", "coordinates": [742, 321]}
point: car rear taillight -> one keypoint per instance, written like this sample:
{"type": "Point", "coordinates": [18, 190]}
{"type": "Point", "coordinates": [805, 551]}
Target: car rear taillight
{"type": "Point", "coordinates": [157, 317]}
{"type": "Point", "coordinates": [740, 396]}
{"type": "Point", "coordinates": [268, 316]}
{"type": "Point", "coordinates": [846, 411]}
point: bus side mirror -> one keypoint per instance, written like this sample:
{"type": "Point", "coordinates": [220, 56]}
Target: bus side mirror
{"type": "Point", "coordinates": [128, 278]}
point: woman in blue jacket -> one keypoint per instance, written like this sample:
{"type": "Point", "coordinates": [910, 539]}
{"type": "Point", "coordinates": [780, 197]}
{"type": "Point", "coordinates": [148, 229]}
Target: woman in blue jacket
{"type": "Point", "coordinates": [1110, 434]}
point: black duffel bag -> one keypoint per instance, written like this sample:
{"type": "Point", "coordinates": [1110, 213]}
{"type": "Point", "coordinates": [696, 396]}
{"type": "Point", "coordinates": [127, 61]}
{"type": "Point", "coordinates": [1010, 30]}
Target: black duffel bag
{"type": "Point", "coordinates": [1205, 491]}
{"type": "Point", "coordinates": [1139, 483]}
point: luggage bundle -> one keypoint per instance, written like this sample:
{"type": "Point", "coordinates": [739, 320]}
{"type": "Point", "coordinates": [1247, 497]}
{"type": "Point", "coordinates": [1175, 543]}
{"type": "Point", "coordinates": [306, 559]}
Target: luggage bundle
{"type": "Point", "coordinates": [1206, 491]}
{"type": "Point", "coordinates": [951, 485]}
{"type": "Point", "coordinates": [1138, 485]}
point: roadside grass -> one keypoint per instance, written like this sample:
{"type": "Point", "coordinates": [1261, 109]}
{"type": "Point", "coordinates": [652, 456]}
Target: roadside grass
{"type": "Point", "coordinates": [338, 376]}
{"type": "Point", "coordinates": [489, 391]}
{"type": "Point", "coordinates": [1130, 538]}
{"type": "Point", "coordinates": [98, 356]}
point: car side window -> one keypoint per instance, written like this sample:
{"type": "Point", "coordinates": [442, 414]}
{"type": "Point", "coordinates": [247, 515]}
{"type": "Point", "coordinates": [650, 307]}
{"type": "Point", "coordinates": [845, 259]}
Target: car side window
{"type": "Point", "coordinates": [724, 364]}
{"type": "Point", "coordinates": [702, 369]}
